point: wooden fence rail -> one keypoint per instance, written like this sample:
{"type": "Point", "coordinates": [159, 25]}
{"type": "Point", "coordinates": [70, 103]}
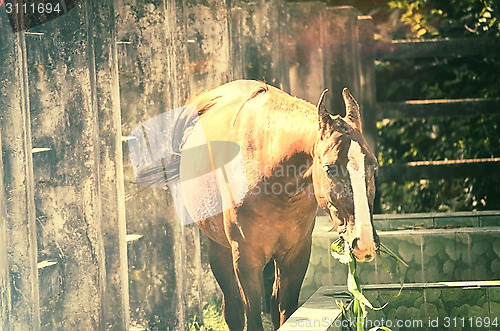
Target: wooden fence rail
{"type": "Point", "coordinates": [414, 171]}
{"type": "Point", "coordinates": [372, 51]}
{"type": "Point", "coordinates": [418, 48]}
{"type": "Point", "coordinates": [437, 108]}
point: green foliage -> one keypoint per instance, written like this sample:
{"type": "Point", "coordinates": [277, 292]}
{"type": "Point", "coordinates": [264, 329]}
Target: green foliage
{"type": "Point", "coordinates": [453, 18]}
{"type": "Point", "coordinates": [439, 78]}
{"type": "Point", "coordinates": [213, 320]}
{"type": "Point", "coordinates": [341, 251]}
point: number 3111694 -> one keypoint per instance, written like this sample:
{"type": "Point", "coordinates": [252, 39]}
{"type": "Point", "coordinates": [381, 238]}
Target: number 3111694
{"type": "Point", "coordinates": [40, 8]}
{"type": "Point", "coordinates": [471, 322]}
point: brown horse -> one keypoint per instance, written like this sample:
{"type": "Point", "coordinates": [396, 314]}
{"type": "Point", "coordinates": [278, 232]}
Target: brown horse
{"type": "Point", "coordinates": [293, 156]}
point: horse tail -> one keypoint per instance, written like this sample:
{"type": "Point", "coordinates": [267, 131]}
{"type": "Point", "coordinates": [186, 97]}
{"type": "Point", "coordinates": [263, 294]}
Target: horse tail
{"type": "Point", "coordinates": [233, 95]}
{"type": "Point", "coordinates": [166, 164]}
{"type": "Point", "coordinates": [166, 168]}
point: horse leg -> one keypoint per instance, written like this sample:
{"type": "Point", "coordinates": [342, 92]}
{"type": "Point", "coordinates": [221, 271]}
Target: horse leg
{"type": "Point", "coordinates": [248, 270]}
{"type": "Point", "coordinates": [221, 262]}
{"type": "Point", "coordinates": [291, 268]}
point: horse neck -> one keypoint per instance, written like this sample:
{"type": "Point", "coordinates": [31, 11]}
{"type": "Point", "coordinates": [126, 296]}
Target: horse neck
{"type": "Point", "coordinates": [296, 133]}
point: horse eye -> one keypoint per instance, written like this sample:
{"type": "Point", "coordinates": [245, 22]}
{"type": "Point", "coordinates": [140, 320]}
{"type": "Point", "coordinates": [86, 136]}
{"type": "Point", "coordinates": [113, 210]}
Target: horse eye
{"type": "Point", "coordinates": [329, 169]}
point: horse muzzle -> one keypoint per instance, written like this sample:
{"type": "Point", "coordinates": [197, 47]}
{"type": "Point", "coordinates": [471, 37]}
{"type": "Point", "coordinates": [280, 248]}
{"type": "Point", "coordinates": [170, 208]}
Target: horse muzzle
{"type": "Point", "coordinates": [365, 250]}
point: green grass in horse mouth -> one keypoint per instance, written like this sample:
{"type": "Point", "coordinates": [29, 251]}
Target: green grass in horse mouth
{"type": "Point", "coordinates": [341, 251]}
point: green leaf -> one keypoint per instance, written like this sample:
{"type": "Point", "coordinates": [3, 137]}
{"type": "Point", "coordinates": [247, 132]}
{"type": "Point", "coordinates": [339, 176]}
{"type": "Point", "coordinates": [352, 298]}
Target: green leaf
{"type": "Point", "coordinates": [384, 249]}
{"type": "Point", "coordinates": [341, 251]}
{"type": "Point", "coordinates": [353, 287]}
{"type": "Point", "coordinates": [384, 328]}
{"type": "Point", "coordinates": [337, 246]}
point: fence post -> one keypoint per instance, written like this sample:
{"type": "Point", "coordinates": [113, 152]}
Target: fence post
{"type": "Point", "coordinates": [256, 35]}
{"type": "Point", "coordinates": [4, 261]}
{"type": "Point", "coordinates": [211, 63]}
{"type": "Point", "coordinates": [79, 204]}
{"type": "Point", "coordinates": [208, 44]}
{"type": "Point", "coordinates": [367, 97]}
{"type": "Point", "coordinates": [111, 182]}
{"type": "Point", "coordinates": [154, 80]}
{"type": "Point", "coordinates": [303, 52]}
{"type": "Point", "coordinates": [145, 92]}
{"type": "Point", "coordinates": [21, 293]}
{"type": "Point", "coordinates": [341, 54]}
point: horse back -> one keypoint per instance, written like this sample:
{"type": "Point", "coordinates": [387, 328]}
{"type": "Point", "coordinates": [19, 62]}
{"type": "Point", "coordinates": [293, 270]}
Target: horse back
{"type": "Point", "coordinates": [247, 113]}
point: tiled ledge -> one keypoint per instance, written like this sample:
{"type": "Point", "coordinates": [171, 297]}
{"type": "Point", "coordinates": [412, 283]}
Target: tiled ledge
{"type": "Point", "coordinates": [433, 255]}
{"type": "Point", "coordinates": [431, 304]}
{"type": "Point", "coordinates": [387, 222]}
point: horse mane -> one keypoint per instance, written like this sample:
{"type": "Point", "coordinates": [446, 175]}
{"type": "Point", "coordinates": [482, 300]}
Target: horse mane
{"type": "Point", "coordinates": [233, 95]}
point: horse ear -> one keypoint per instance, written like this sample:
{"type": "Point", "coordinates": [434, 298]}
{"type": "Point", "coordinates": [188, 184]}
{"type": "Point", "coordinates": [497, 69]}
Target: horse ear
{"type": "Point", "coordinates": [351, 110]}
{"type": "Point", "coordinates": [323, 114]}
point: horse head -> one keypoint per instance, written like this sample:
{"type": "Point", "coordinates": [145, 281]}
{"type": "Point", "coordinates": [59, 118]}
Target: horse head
{"type": "Point", "coordinates": [343, 177]}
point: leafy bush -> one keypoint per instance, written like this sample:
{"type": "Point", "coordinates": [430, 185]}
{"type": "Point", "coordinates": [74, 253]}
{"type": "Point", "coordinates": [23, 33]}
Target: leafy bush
{"type": "Point", "coordinates": [438, 78]}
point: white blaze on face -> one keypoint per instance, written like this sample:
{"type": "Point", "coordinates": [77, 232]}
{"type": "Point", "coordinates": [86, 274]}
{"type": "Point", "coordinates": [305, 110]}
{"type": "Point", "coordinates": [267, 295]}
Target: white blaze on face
{"type": "Point", "coordinates": [356, 169]}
